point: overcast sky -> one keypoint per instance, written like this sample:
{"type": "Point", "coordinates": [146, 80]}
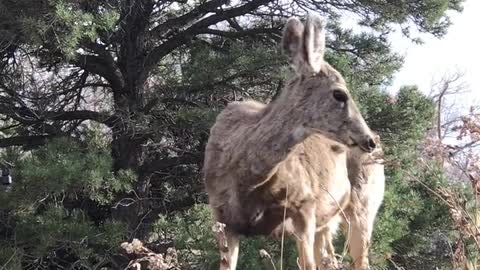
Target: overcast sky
{"type": "Point", "coordinates": [458, 50]}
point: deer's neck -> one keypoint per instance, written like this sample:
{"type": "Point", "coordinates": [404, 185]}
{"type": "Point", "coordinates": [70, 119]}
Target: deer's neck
{"type": "Point", "coordinates": [274, 137]}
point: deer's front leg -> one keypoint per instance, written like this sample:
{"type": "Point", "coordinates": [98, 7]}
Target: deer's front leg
{"type": "Point", "coordinates": [228, 243]}
{"type": "Point", "coordinates": [305, 225]}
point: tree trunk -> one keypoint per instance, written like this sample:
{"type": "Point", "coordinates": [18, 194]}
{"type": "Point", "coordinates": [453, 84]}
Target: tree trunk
{"type": "Point", "coordinates": [128, 137]}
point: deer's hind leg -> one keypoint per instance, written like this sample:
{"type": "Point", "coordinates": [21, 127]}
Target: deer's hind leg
{"type": "Point", "coordinates": [362, 216]}
{"type": "Point", "coordinates": [359, 242]}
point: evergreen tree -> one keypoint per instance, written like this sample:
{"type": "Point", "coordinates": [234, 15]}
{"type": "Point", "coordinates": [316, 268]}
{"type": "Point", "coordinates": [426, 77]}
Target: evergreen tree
{"type": "Point", "coordinates": [154, 74]}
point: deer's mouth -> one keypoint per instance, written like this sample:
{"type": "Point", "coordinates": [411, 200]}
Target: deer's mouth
{"type": "Point", "coordinates": [365, 147]}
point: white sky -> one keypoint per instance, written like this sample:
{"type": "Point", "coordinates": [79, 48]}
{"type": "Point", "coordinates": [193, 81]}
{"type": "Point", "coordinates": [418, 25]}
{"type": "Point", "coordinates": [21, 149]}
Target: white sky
{"type": "Point", "coordinates": [459, 50]}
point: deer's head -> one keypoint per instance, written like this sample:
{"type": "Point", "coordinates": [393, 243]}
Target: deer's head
{"type": "Point", "coordinates": [319, 94]}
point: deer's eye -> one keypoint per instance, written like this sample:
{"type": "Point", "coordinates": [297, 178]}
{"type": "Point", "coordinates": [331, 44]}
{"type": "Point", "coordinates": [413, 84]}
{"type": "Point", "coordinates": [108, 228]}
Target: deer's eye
{"type": "Point", "coordinates": [340, 96]}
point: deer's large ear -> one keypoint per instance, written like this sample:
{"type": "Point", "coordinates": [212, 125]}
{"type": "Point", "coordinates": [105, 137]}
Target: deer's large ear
{"type": "Point", "coordinates": [292, 39]}
{"type": "Point", "coordinates": [314, 41]}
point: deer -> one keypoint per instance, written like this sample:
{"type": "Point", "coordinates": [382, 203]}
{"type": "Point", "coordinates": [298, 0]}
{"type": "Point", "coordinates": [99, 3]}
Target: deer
{"type": "Point", "coordinates": [367, 180]}
{"type": "Point", "coordinates": [281, 168]}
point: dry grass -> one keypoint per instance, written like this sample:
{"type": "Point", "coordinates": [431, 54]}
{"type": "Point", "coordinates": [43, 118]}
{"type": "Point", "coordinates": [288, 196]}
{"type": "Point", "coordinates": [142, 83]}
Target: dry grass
{"type": "Point", "coordinates": [144, 258]}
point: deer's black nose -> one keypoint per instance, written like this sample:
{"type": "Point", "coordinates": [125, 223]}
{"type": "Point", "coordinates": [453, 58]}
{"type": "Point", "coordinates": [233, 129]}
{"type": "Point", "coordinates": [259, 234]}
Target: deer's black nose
{"type": "Point", "coordinates": [371, 144]}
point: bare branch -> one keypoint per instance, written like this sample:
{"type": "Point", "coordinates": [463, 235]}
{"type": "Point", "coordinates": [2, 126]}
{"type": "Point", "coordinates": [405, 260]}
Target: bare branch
{"type": "Point", "coordinates": [29, 116]}
{"type": "Point", "coordinates": [34, 140]}
{"type": "Point", "coordinates": [185, 36]}
{"type": "Point", "coordinates": [243, 33]}
{"type": "Point", "coordinates": [185, 19]}
{"type": "Point", "coordinates": [169, 162]}
{"type": "Point", "coordinates": [102, 66]}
